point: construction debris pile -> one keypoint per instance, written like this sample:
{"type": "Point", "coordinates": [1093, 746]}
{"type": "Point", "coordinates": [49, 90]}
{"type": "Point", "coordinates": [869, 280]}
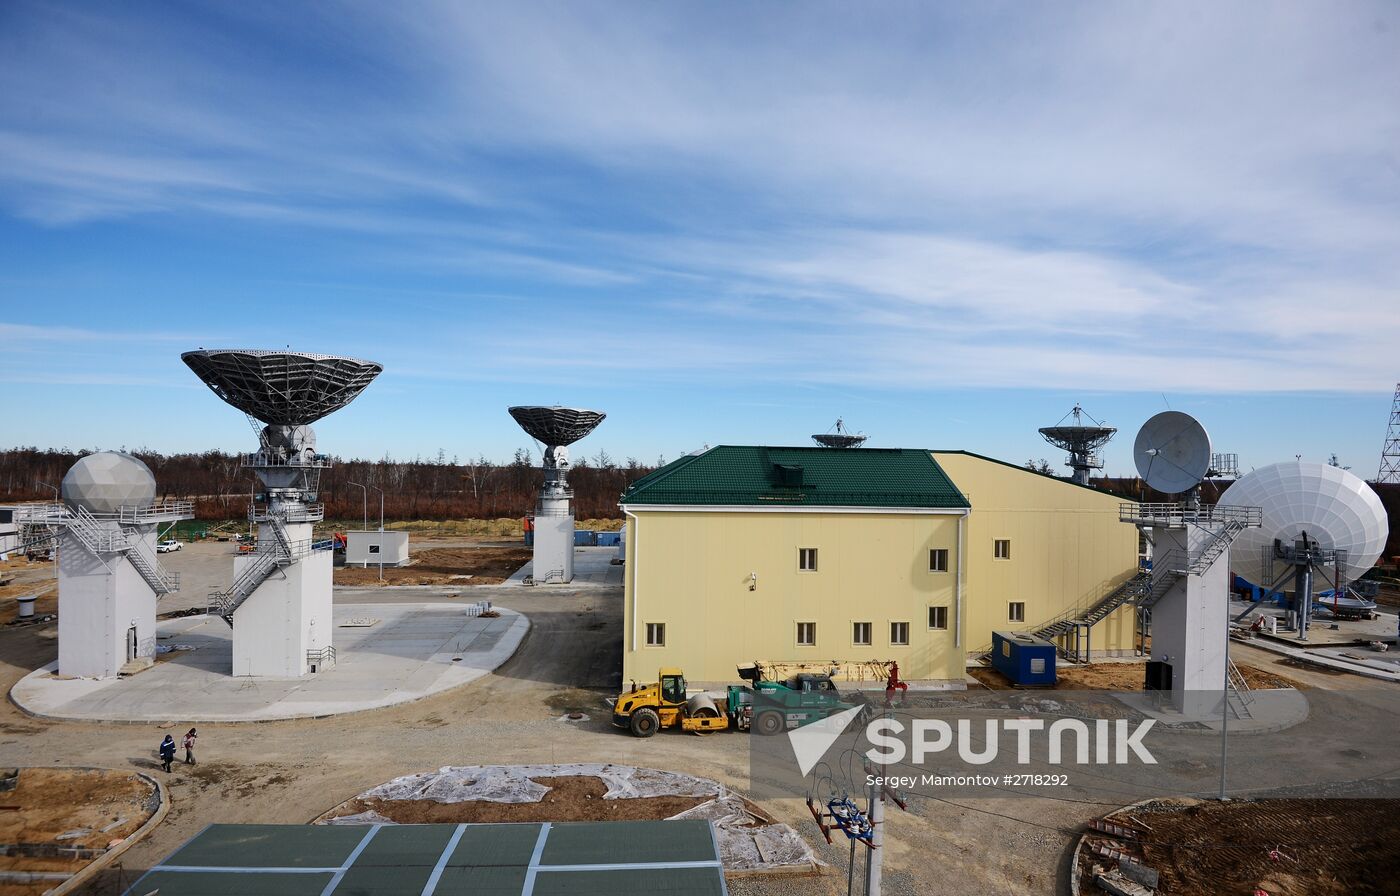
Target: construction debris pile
{"type": "Point", "coordinates": [748, 840]}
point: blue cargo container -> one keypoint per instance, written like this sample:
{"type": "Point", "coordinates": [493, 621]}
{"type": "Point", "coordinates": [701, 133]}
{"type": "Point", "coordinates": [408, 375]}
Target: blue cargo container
{"type": "Point", "coordinates": [609, 539]}
{"type": "Point", "coordinates": [1024, 659]}
{"type": "Point", "coordinates": [585, 538]}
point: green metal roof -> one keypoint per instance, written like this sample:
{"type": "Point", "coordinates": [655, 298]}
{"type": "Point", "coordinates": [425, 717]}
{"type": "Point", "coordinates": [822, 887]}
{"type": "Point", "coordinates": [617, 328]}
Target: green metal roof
{"type": "Point", "coordinates": [746, 475]}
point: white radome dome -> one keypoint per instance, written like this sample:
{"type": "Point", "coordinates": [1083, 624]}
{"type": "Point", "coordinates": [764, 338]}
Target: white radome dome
{"type": "Point", "coordinates": [1336, 508]}
{"type": "Point", "coordinates": [107, 481]}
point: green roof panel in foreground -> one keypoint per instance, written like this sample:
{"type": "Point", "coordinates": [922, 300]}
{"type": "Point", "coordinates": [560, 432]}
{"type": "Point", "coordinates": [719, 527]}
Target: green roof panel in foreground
{"type": "Point", "coordinates": [755, 476]}
{"type": "Point", "coordinates": [570, 859]}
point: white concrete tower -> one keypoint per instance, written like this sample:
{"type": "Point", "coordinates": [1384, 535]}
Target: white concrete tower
{"type": "Point", "coordinates": [1186, 602]}
{"type": "Point", "coordinates": [1187, 599]}
{"type": "Point", "coordinates": [279, 604]}
{"type": "Point", "coordinates": [108, 577]}
{"type": "Point", "coordinates": [556, 428]}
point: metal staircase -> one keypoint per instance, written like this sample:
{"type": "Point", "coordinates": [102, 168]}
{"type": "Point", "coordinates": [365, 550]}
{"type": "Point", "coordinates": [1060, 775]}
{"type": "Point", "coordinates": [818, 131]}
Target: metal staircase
{"type": "Point", "coordinates": [267, 559]}
{"type": "Point", "coordinates": [1238, 696]}
{"type": "Point", "coordinates": [1070, 631]}
{"type": "Point", "coordinates": [1067, 622]}
{"type": "Point", "coordinates": [1219, 543]}
{"type": "Point", "coordinates": [102, 540]}
{"type": "Point", "coordinates": [160, 580]}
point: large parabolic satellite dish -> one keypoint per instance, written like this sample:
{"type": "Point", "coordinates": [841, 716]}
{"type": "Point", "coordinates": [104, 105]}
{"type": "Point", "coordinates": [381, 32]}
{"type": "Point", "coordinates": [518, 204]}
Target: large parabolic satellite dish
{"type": "Point", "coordinates": [1336, 508]}
{"type": "Point", "coordinates": [555, 425]}
{"type": "Point", "coordinates": [1172, 452]}
{"type": "Point", "coordinates": [282, 387]}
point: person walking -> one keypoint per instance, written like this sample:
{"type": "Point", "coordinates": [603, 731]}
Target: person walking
{"type": "Point", "coordinates": [167, 752]}
{"type": "Point", "coordinates": [189, 747]}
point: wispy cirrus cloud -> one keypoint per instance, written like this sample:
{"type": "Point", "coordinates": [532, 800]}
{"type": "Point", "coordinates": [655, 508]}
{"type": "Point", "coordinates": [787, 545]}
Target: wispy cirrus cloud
{"type": "Point", "coordinates": [1202, 197]}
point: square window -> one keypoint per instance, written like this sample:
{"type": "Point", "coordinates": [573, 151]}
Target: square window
{"type": "Point", "coordinates": [806, 634]}
{"type": "Point", "coordinates": [807, 559]}
{"type": "Point", "coordinates": [860, 634]}
{"type": "Point", "coordinates": [937, 617]}
{"type": "Point", "coordinates": [1001, 549]}
{"type": "Point", "coordinates": [938, 560]}
{"type": "Point", "coordinates": [656, 634]}
{"type": "Point", "coordinates": [374, 549]}
{"type": "Point", "coordinates": [899, 634]}
{"type": "Point", "coordinates": [1016, 611]}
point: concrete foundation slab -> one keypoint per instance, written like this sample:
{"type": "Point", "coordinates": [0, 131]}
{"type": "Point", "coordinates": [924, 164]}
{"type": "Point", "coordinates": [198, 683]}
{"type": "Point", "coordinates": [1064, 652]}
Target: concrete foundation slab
{"type": "Point", "coordinates": [592, 566]}
{"type": "Point", "coordinates": [1270, 710]}
{"type": "Point", "coordinates": [415, 650]}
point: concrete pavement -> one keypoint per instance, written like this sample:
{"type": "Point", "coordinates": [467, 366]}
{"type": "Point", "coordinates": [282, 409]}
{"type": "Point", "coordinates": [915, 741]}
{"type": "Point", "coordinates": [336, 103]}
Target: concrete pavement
{"type": "Point", "coordinates": [408, 652]}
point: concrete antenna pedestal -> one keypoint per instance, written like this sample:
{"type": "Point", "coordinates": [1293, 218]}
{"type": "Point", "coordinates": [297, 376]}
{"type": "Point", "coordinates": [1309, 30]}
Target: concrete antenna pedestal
{"type": "Point", "coordinates": [279, 603]}
{"type": "Point", "coordinates": [556, 428]}
{"type": "Point", "coordinates": [109, 579]}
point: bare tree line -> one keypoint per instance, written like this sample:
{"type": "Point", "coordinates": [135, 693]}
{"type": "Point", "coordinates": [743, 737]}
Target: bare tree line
{"type": "Point", "coordinates": [435, 489]}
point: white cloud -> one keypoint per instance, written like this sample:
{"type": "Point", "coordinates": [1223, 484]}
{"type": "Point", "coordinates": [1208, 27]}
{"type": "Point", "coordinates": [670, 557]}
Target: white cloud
{"type": "Point", "coordinates": [1186, 197]}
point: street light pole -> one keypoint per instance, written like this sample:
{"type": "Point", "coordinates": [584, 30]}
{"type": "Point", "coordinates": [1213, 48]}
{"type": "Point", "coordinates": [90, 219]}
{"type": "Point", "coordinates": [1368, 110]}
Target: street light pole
{"type": "Point", "coordinates": [365, 508]}
{"type": "Point", "coordinates": [364, 501]}
{"type": "Point", "coordinates": [57, 499]}
{"type": "Point", "coordinates": [1225, 707]}
{"type": "Point", "coordinates": [381, 531]}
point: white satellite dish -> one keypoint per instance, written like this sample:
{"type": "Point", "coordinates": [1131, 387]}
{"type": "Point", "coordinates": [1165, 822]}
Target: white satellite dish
{"type": "Point", "coordinates": [1172, 452]}
{"type": "Point", "coordinates": [1335, 507]}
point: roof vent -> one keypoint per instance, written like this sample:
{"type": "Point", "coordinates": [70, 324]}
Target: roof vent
{"type": "Point", "coordinates": [789, 475]}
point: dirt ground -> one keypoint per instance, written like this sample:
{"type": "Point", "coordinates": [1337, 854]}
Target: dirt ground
{"type": "Point", "coordinates": [444, 566]}
{"type": "Point", "coordinates": [1324, 847]}
{"type": "Point", "coordinates": [290, 772]}
{"type": "Point", "coordinates": [1121, 677]}
{"type": "Point", "coordinates": [23, 577]}
{"type": "Point", "coordinates": [572, 798]}
{"type": "Point", "coordinates": [47, 802]}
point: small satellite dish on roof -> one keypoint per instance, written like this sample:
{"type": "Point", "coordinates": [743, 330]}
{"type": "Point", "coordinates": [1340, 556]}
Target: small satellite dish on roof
{"type": "Point", "coordinates": [1172, 452]}
{"type": "Point", "coordinates": [839, 438]}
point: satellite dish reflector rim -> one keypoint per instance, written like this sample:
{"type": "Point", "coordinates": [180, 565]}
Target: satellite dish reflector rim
{"type": "Point", "coordinates": [555, 424]}
{"type": "Point", "coordinates": [1172, 452]}
{"type": "Point", "coordinates": [1335, 507]}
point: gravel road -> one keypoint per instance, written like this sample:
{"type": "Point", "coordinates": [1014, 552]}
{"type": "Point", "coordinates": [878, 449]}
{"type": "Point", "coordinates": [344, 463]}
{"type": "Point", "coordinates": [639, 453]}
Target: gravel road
{"type": "Point", "coordinates": [289, 772]}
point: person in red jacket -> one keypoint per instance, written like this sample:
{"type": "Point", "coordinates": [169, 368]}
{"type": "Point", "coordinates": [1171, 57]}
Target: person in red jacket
{"type": "Point", "coordinates": [189, 747]}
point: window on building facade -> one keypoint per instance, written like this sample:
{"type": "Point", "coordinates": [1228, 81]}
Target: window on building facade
{"type": "Point", "coordinates": [899, 633]}
{"type": "Point", "coordinates": [937, 617]}
{"type": "Point", "coordinates": [806, 634]}
{"type": "Point", "coordinates": [656, 634]}
{"type": "Point", "coordinates": [1016, 611]}
{"type": "Point", "coordinates": [807, 559]}
{"type": "Point", "coordinates": [1001, 549]}
{"type": "Point", "coordinates": [860, 634]}
{"type": "Point", "coordinates": [938, 560]}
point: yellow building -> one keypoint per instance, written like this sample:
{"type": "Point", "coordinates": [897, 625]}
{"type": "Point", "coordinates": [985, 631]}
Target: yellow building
{"type": "Point", "coordinates": [848, 556]}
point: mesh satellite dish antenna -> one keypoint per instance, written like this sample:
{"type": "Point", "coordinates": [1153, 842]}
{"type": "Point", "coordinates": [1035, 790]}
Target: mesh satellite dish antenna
{"type": "Point", "coordinates": [553, 527]}
{"type": "Point", "coordinates": [839, 437]}
{"type": "Point", "coordinates": [1082, 440]}
{"type": "Point", "coordinates": [1172, 452]}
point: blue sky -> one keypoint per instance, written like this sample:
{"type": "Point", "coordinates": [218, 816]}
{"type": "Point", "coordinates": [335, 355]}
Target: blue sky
{"type": "Point", "coordinates": [716, 222]}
